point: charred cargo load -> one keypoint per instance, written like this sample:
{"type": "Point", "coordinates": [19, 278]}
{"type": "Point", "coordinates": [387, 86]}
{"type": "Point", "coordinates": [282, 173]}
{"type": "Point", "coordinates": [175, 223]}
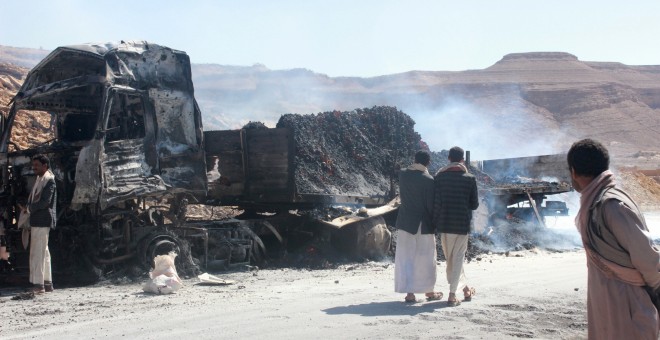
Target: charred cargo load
{"type": "Point", "coordinates": [129, 153]}
{"type": "Point", "coordinates": [330, 157]}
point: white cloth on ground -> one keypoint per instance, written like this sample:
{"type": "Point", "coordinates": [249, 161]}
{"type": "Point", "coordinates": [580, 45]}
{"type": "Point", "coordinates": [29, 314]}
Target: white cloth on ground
{"type": "Point", "coordinates": [40, 270]}
{"type": "Point", "coordinates": [454, 247]}
{"type": "Point", "coordinates": [415, 267]}
{"type": "Point", "coordinates": [164, 278]}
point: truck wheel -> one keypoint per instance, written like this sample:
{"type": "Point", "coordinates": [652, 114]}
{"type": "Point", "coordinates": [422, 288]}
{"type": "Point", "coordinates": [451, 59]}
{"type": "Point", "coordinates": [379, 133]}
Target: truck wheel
{"type": "Point", "coordinates": [162, 247]}
{"type": "Point", "coordinates": [162, 242]}
{"type": "Point", "coordinates": [159, 242]}
{"type": "Point", "coordinates": [366, 239]}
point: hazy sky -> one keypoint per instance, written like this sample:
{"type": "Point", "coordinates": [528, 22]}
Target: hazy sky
{"type": "Point", "coordinates": [348, 38]}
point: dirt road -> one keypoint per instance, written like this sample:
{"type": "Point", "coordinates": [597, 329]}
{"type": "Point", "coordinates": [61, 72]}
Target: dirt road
{"type": "Point", "coordinates": [536, 295]}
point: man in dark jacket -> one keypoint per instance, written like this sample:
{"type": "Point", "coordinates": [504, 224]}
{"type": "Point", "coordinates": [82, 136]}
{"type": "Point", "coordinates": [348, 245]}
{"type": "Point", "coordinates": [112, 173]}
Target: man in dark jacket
{"type": "Point", "coordinates": [455, 198]}
{"type": "Point", "coordinates": [41, 208]}
{"type": "Point", "coordinates": [415, 258]}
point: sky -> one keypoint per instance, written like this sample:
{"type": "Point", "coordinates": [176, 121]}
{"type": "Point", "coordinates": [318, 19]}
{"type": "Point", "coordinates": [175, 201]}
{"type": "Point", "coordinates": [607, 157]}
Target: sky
{"type": "Point", "coordinates": [362, 38]}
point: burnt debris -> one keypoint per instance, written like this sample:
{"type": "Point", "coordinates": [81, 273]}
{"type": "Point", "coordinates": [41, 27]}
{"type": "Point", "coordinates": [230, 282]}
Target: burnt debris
{"type": "Point", "coordinates": [351, 153]}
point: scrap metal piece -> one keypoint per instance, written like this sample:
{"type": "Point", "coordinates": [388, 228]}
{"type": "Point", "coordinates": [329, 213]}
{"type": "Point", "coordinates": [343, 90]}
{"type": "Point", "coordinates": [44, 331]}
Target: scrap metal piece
{"type": "Point", "coordinates": [209, 279]}
{"type": "Point", "coordinates": [365, 213]}
{"type": "Point", "coordinates": [536, 211]}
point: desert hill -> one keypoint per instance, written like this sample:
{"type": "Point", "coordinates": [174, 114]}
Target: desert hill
{"type": "Point", "coordinates": [19, 56]}
{"type": "Point", "coordinates": [524, 104]}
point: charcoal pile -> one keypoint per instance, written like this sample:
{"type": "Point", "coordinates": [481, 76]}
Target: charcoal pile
{"type": "Point", "coordinates": [352, 153]}
{"type": "Point", "coordinates": [255, 125]}
{"type": "Point", "coordinates": [438, 161]}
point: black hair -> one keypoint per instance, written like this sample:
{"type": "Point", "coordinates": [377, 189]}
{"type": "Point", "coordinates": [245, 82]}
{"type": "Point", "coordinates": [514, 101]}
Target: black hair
{"type": "Point", "coordinates": [43, 159]}
{"type": "Point", "coordinates": [423, 157]}
{"type": "Point", "coordinates": [588, 158]}
{"type": "Point", "coordinates": [456, 154]}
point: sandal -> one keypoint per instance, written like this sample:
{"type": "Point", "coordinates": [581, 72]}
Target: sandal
{"type": "Point", "coordinates": [468, 293]}
{"type": "Point", "coordinates": [434, 296]}
{"type": "Point", "coordinates": [410, 300]}
{"type": "Point", "coordinates": [453, 303]}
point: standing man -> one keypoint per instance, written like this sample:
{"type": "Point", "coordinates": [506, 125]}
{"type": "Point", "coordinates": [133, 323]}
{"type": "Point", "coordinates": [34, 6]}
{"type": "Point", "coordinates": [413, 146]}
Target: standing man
{"type": "Point", "coordinates": [455, 198]}
{"type": "Point", "coordinates": [621, 257]}
{"type": "Point", "coordinates": [41, 208]}
{"type": "Point", "coordinates": [416, 254]}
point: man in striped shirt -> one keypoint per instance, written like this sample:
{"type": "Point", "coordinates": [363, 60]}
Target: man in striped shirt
{"type": "Point", "coordinates": [455, 198]}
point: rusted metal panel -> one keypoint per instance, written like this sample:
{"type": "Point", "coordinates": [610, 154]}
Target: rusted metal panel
{"type": "Point", "coordinates": [216, 142]}
{"type": "Point", "coordinates": [253, 165]}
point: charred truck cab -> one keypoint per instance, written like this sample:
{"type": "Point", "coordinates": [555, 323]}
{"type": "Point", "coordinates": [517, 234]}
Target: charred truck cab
{"type": "Point", "coordinates": [126, 134]}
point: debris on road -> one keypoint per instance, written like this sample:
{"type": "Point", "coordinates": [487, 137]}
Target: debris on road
{"type": "Point", "coordinates": [164, 279]}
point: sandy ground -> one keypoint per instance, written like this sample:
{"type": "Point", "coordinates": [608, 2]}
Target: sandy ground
{"type": "Point", "coordinates": [530, 294]}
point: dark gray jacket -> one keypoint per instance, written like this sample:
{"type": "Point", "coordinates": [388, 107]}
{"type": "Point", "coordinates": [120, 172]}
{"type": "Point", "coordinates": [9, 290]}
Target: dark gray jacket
{"type": "Point", "coordinates": [42, 212]}
{"type": "Point", "coordinates": [416, 189]}
{"type": "Point", "coordinates": [455, 197]}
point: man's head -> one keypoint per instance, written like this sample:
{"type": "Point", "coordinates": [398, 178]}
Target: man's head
{"type": "Point", "coordinates": [456, 154]}
{"type": "Point", "coordinates": [39, 164]}
{"type": "Point", "coordinates": [423, 157]}
{"type": "Point", "coordinates": [586, 160]}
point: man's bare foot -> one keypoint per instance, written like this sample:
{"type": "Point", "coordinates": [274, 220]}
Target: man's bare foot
{"type": "Point", "coordinates": [433, 296]}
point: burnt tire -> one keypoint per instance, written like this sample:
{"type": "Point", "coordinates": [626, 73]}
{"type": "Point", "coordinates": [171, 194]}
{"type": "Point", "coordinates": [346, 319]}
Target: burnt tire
{"type": "Point", "coordinates": [162, 242]}
{"type": "Point", "coordinates": [162, 246]}
{"type": "Point", "coordinates": [366, 239]}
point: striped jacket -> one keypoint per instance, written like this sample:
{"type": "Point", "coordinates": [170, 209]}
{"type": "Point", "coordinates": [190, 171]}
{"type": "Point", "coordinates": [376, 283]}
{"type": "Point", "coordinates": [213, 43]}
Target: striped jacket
{"type": "Point", "coordinates": [455, 198]}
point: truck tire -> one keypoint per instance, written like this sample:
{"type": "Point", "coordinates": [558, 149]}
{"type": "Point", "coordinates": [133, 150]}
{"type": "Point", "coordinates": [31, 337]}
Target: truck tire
{"type": "Point", "coordinates": [366, 239]}
{"type": "Point", "coordinates": [162, 242]}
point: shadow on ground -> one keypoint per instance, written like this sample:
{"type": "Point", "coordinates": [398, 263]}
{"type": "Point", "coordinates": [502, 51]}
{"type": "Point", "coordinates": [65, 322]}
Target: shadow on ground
{"type": "Point", "coordinates": [387, 308]}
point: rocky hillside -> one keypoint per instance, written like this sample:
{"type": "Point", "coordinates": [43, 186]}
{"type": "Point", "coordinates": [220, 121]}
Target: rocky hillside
{"type": "Point", "coordinates": [31, 128]}
{"type": "Point", "coordinates": [24, 57]}
{"type": "Point", "coordinates": [524, 104]}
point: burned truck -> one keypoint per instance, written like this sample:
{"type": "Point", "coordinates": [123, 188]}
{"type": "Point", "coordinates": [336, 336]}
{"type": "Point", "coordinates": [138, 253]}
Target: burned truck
{"type": "Point", "coordinates": [129, 154]}
{"type": "Point", "coordinates": [520, 188]}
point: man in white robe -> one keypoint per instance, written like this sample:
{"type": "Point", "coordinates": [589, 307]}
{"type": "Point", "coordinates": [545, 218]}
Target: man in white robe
{"type": "Point", "coordinates": [415, 258]}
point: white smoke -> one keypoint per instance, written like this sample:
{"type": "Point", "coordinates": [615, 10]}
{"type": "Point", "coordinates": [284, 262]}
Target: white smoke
{"type": "Point", "coordinates": [653, 223]}
{"type": "Point", "coordinates": [504, 130]}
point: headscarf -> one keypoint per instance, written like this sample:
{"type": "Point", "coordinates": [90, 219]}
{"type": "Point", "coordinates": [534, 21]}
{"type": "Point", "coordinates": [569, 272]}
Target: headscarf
{"type": "Point", "coordinates": [608, 268]}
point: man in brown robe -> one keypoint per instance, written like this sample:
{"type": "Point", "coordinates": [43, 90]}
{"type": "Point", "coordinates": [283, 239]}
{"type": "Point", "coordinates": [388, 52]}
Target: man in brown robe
{"type": "Point", "coordinates": [621, 257]}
